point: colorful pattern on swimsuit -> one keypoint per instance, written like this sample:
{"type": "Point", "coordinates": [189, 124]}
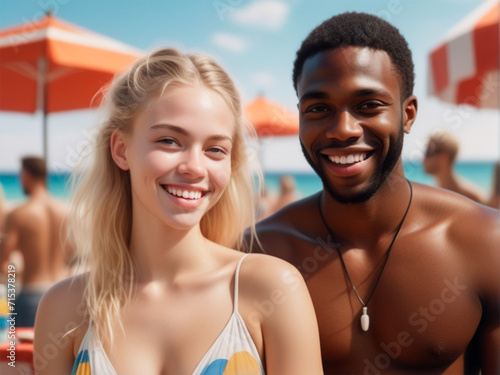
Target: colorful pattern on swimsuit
{"type": "Point", "coordinates": [92, 358]}
{"type": "Point", "coordinates": [232, 353]}
{"type": "Point", "coordinates": [82, 364]}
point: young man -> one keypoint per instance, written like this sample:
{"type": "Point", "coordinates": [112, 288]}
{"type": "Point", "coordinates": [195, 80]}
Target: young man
{"type": "Point", "coordinates": [439, 161]}
{"type": "Point", "coordinates": [404, 277]}
{"type": "Point", "coordinates": [35, 228]}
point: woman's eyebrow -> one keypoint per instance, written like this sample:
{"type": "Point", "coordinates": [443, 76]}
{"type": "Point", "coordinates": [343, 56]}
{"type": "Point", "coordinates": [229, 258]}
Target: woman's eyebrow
{"type": "Point", "coordinates": [184, 132]}
{"type": "Point", "coordinates": [170, 127]}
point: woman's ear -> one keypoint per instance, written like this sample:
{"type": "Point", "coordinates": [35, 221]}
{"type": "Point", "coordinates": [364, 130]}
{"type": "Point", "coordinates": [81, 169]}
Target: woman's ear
{"type": "Point", "coordinates": [119, 149]}
{"type": "Point", "coordinates": [410, 113]}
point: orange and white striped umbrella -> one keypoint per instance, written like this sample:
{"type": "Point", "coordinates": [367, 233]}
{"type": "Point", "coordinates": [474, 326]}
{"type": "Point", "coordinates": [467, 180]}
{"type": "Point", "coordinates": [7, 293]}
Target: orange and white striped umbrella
{"type": "Point", "coordinates": [271, 119]}
{"type": "Point", "coordinates": [53, 66]}
{"type": "Point", "coordinates": [463, 69]}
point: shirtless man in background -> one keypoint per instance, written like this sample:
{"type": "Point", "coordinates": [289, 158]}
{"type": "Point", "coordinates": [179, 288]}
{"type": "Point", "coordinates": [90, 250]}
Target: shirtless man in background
{"type": "Point", "coordinates": [36, 229]}
{"type": "Point", "coordinates": [403, 276]}
{"type": "Point", "coordinates": [439, 161]}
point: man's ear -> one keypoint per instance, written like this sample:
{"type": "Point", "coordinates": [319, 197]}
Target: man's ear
{"type": "Point", "coordinates": [119, 149]}
{"type": "Point", "coordinates": [409, 113]}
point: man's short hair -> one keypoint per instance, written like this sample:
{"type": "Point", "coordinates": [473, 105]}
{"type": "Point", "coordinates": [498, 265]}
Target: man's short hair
{"type": "Point", "coordinates": [35, 166]}
{"type": "Point", "coordinates": [353, 29]}
{"type": "Point", "coordinates": [447, 142]}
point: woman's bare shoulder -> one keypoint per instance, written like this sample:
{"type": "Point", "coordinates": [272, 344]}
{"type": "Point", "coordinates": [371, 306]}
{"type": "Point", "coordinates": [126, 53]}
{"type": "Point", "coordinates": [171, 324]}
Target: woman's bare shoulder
{"type": "Point", "coordinates": [67, 291]}
{"type": "Point", "coordinates": [60, 325]}
{"type": "Point", "coordinates": [267, 273]}
{"type": "Point", "coordinates": [62, 305]}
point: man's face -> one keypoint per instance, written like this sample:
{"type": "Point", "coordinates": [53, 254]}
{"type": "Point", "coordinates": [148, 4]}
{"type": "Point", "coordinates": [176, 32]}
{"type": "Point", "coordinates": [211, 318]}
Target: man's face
{"type": "Point", "coordinates": [435, 158]}
{"type": "Point", "coordinates": [25, 178]}
{"type": "Point", "coordinates": [352, 120]}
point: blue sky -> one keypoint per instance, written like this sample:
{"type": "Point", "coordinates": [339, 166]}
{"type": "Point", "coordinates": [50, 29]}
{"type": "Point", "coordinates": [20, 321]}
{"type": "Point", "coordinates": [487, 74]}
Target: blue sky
{"type": "Point", "coordinates": [256, 41]}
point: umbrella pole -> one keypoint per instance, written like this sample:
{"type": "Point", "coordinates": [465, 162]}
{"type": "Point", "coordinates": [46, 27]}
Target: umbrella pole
{"type": "Point", "coordinates": [45, 146]}
{"type": "Point", "coordinates": [42, 102]}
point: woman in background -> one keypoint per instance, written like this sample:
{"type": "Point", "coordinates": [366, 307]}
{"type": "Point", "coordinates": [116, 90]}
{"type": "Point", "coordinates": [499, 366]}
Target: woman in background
{"type": "Point", "coordinates": [168, 196]}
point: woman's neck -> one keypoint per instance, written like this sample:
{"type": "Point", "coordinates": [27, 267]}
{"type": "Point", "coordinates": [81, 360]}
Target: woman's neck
{"type": "Point", "coordinates": [162, 253]}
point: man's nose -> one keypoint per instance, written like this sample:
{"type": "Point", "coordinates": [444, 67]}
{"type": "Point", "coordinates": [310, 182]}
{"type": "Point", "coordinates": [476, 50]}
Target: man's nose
{"type": "Point", "coordinates": [343, 126]}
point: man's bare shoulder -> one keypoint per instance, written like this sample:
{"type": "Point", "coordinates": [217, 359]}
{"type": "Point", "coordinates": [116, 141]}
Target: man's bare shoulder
{"type": "Point", "coordinates": [35, 209]}
{"type": "Point", "coordinates": [472, 230]}
{"type": "Point", "coordinates": [58, 205]}
{"type": "Point", "coordinates": [18, 214]}
{"type": "Point", "coordinates": [24, 210]}
{"type": "Point", "coordinates": [281, 231]}
{"type": "Point", "coordinates": [460, 214]}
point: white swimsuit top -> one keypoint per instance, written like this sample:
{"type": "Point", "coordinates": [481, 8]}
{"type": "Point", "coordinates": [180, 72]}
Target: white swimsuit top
{"type": "Point", "coordinates": [232, 353]}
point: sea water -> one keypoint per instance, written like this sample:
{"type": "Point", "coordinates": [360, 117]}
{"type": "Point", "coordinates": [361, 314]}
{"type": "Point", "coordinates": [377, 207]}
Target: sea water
{"type": "Point", "coordinates": [479, 173]}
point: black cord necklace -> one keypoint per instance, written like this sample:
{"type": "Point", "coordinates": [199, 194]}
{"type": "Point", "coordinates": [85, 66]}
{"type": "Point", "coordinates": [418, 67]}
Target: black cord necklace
{"type": "Point", "coordinates": [365, 319]}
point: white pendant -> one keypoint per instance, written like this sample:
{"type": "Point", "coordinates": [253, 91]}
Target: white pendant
{"type": "Point", "coordinates": [365, 320]}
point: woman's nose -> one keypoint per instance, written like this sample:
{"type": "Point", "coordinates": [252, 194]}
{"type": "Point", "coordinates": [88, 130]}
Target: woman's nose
{"type": "Point", "coordinates": [193, 164]}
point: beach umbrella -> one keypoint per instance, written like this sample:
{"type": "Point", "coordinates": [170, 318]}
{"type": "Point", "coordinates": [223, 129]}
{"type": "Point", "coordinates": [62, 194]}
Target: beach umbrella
{"type": "Point", "coordinates": [463, 68]}
{"type": "Point", "coordinates": [53, 66]}
{"type": "Point", "coordinates": [271, 119]}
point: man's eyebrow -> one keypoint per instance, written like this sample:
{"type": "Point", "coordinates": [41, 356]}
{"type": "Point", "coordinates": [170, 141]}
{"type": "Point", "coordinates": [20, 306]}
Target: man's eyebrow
{"type": "Point", "coordinates": [372, 91]}
{"type": "Point", "coordinates": [184, 132]}
{"type": "Point", "coordinates": [357, 93]}
{"type": "Point", "coordinates": [313, 95]}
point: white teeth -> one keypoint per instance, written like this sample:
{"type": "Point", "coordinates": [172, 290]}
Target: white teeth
{"type": "Point", "coordinates": [186, 194]}
{"type": "Point", "coordinates": [349, 159]}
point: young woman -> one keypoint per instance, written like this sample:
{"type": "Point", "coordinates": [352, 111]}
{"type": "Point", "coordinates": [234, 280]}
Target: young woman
{"type": "Point", "coordinates": [169, 193]}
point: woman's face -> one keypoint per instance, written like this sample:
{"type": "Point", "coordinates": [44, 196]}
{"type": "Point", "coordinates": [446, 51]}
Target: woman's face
{"type": "Point", "coordinates": [179, 155]}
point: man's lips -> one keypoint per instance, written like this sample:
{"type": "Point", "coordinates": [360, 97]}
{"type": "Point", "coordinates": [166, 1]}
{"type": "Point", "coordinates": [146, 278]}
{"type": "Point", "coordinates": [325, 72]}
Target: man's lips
{"type": "Point", "coordinates": [184, 192]}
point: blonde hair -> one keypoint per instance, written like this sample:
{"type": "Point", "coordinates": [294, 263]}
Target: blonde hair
{"type": "Point", "coordinates": [101, 217]}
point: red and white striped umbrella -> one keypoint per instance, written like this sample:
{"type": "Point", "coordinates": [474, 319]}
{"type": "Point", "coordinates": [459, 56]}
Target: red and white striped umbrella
{"type": "Point", "coordinates": [463, 69]}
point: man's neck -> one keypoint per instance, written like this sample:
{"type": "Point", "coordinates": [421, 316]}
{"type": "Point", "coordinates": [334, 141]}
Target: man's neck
{"type": "Point", "coordinates": [38, 191]}
{"type": "Point", "coordinates": [365, 224]}
{"type": "Point", "coordinates": [447, 179]}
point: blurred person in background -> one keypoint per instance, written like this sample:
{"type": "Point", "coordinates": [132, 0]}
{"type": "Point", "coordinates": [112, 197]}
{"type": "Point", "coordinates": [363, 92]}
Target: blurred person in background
{"type": "Point", "coordinates": [494, 200]}
{"type": "Point", "coordinates": [265, 203]}
{"type": "Point", "coordinates": [287, 194]}
{"type": "Point", "coordinates": [3, 212]}
{"type": "Point", "coordinates": [36, 230]}
{"type": "Point", "coordinates": [439, 161]}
